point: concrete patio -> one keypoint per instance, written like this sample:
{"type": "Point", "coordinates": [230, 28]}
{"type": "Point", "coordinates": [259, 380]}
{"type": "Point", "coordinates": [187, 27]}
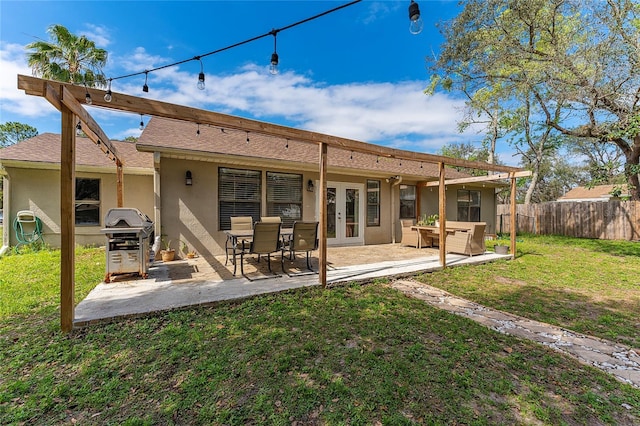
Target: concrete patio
{"type": "Point", "coordinates": [200, 281]}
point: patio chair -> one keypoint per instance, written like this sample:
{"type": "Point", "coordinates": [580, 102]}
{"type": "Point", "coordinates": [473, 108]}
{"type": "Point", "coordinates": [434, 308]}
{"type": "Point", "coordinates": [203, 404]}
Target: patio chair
{"type": "Point", "coordinates": [410, 237]}
{"type": "Point", "coordinates": [271, 219]}
{"type": "Point", "coordinates": [266, 240]}
{"type": "Point", "coordinates": [468, 242]}
{"type": "Point", "coordinates": [303, 239]}
{"type": "Point", "coordinates": [240, 223]}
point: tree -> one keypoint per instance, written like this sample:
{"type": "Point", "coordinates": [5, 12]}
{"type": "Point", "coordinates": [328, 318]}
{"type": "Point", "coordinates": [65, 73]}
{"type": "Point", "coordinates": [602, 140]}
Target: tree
{"type": "Point", "coordinates": [67, 58]}
{"type": "Point", "coordinates": [578, 60]}
{"type": "Point", "coordinates": [467, 151]}
{"type": "Point", "coordinates": [12, 132]}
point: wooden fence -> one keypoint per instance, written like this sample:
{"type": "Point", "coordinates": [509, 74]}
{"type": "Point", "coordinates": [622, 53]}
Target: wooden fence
{"type": "Point", "coordinates": [612, 220]}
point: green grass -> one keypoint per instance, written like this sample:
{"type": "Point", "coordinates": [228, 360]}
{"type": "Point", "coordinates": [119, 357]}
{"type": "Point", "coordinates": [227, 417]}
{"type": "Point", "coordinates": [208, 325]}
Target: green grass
{"type": "Point", "coordinates": [356, 355]}
{"type": "Point", "coordinates": [588, 286]}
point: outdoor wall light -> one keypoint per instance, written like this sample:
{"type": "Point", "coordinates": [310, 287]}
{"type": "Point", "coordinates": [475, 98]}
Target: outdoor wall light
{"type": "Point", "coordinates": [310, 185]}
{"type": "Point", "coordinates": [188, 179]}
{"type": "Point", "coordinates": [416, 25]}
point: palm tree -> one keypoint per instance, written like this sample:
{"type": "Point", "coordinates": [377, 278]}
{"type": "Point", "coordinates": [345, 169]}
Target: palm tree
{"type": "Point", "coordinates": [67, 58]}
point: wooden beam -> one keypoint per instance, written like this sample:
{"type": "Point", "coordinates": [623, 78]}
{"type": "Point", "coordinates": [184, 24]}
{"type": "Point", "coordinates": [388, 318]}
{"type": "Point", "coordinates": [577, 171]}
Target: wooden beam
{"type": "Point", "coordinates": [488, 178]}
{"type": "Point", "coordinates": [89, 125]}
{"type": "Point", "coordinates": [119, 184]}
{"type": "Point", "coordinates": [322, 200]}
{"type": "Point", "coordinates": [67, 219]}
{"type": "Point", "coordinates": [513, 221]}
{"type": "Point", "coordinates": [133, 104]}
{"type": "Point", "coordinates": [442, 215]}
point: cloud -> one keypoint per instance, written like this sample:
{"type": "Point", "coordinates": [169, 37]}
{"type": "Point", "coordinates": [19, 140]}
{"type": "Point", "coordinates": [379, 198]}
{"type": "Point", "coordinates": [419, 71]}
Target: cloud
{"type": "Point", "coordinates": [14, 101]}
{"type": "Point", "coordinates": [98, 34]}
{"type": "Point", "coordinates": [394, 114]}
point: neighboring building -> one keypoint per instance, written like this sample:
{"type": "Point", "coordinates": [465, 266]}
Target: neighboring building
{"type": "Point", "coordinates": [204, 175]}
{"type": "Point", "coordinates": [597, 193]}
{"type": "Point", "coordinates": [31, 172]}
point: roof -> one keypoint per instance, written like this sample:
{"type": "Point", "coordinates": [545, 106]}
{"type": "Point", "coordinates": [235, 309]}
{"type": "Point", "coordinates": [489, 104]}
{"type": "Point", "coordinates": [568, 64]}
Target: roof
{"type": "Point", "coordinates": [45, 148]}
{"type": "Point", "coordinates": [181, 137]}
{"type": "Point", "coordinates": [596, 193]}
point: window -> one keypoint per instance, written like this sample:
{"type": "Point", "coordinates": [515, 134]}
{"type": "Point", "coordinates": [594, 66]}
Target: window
{"type": "Point", "coordinates": [284, 197]}
{"type": "Point", "coordinates": [407, 202]}
{"type": "Point", "coordinates": [468, 205]}
{"type": "Point", "coordinates": [87, 204]}
{"type": "Point", "coordinates": [373, 203]}
{"type": "Point", "coordinates": [239, 194]}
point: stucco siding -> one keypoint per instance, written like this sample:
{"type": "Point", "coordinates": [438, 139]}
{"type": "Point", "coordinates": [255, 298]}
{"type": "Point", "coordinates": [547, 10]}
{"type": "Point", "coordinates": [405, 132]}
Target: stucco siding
{"type": "Point", "coordinates": [39, 190]}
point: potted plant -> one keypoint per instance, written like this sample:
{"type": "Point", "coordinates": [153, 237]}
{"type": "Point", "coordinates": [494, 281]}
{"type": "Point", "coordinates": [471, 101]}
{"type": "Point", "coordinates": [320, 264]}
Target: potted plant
{"type": "Point", "coordinates": [187, 251]}
{"type": "Point", "coordinates": [501, 247]}
{"type": "Point", "coordinates": [168, 254]}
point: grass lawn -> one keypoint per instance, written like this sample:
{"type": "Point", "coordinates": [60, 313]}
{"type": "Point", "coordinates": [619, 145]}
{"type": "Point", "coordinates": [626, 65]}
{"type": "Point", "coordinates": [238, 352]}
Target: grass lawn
{"type": "Point", "coordinates": [349, 355]}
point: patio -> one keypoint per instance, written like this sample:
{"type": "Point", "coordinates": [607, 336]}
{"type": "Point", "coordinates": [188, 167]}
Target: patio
{"type": "Point", "coordinates": [201, 281]}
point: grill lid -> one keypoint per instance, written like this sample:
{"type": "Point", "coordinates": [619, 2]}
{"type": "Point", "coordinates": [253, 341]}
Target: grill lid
{"type": "Point", "coordinates": [127, 218]}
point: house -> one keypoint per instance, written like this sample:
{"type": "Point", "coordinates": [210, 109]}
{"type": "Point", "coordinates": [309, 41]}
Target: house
{"type": "Point", "coordinates": [596, 193]}
{"type": "Point", "coordinates": [31, 172]}
{"type": "Point", "coordinates": [206, 174]}
{"type": "Point", "coordinates": [190, 179]}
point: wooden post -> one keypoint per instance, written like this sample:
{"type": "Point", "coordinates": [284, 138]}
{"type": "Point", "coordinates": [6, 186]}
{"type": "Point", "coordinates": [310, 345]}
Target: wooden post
{"type": "Point", "coordinates": [513, 223]}
{"type": "Point", "coordinates": [322, 199]}
{"type": "Point", "coordinates": [442, 215]}
{"type": "Point", "coordinates": [119, 184]}
{"type": "Point", "coordinates": [67, 219]}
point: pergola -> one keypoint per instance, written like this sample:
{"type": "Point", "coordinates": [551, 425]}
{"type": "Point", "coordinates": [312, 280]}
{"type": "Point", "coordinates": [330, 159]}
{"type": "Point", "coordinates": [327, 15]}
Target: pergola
{"type": "Point", "coordinates": [69, 99]}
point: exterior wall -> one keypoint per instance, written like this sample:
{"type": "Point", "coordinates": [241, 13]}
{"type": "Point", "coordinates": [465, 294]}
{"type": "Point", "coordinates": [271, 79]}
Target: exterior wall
{"type": "Point", "coordinates": [39, 190]}
{"type": "Point", "coordinates": [190, 213]}
{"type": "Point", "coordinates": [429, 204]}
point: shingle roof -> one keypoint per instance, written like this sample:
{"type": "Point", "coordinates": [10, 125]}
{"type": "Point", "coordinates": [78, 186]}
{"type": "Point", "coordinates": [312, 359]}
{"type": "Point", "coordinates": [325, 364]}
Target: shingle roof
{"type": "Point", "coordinates": [182, 137]}
{"type": "Point", "coordinates": [45, 148]}
{"type": "Point", "coordinates": [599, 191]}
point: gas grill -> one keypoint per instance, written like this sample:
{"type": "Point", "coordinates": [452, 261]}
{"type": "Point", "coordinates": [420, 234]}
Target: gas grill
{"type": "Point", "coordinates": [128, 233]}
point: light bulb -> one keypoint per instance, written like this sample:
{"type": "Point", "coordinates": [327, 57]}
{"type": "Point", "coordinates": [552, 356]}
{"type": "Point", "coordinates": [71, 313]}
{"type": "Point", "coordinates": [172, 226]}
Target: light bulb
{"type": "Point", "coordinates": [416, 25]}
{"type": "Point", "coordinates": [273, 68]}
{"type": "Point", "coordinates": [107, 96]}
{"type": "Point", "coordinates": [88, 99]}
{"type": "Point", "coordinates": [201, 81]}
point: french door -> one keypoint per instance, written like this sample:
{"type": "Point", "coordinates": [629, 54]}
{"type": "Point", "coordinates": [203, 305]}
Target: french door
{"type": "Point", "coordinates": [345, 213]}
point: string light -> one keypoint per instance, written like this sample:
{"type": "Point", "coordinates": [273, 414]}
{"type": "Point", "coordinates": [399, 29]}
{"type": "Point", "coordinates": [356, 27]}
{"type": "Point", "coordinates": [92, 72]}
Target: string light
{"type": "Point", "coordinates": [198, 131]}
{"type": "Point", "coordinates": [247, 137]}
{"type": "Point", "coordinates": [273, 68]}
{"type": "Point", "coordinates": [351, 156]}
{"type": "Point", "coordinates": [87, 97]}
{"type": "Point", "coordinates": [107, 96]}
{"type": "Point", "coordinates": [421, 164]}
{"type": "Point", "coordinates": [416, 24]}
{"type": "Point", "coordinates": [200, 84]}
{"type": "Point", "coordinates": [287, 145]}
{"type": "Point", "coordinates": [141, 123]}
{"type": "Point", "coordinates": [78, 129]}
{"type": "Point", "coordinates": [273, 32]}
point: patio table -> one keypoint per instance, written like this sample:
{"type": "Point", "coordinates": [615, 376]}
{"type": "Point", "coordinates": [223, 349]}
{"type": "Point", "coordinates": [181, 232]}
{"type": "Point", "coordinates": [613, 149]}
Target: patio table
{"type": "Point", "coordinates": [427, 230]}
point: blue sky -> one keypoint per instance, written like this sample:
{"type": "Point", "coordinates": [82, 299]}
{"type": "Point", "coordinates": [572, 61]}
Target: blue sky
{"type": "Point", "coordinates": [357, 73]}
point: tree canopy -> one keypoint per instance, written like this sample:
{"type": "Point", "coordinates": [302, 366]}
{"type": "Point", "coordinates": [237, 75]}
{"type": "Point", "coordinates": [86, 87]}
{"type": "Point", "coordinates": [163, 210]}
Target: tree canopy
{"type": "Point", "coordinates": [572, 65]}
{"type": "Point", "coordinates": [68, 58]}
{"type": "Point", "coordinates": [12, 132]}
